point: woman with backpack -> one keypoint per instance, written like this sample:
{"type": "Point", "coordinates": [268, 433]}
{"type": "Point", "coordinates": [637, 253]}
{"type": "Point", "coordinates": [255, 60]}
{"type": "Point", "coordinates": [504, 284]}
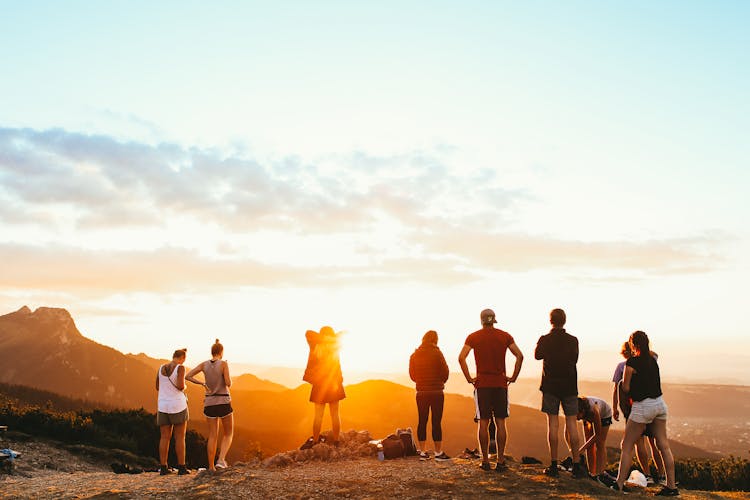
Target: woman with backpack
{"type": "Point", "coordinates": [323, 371]}
{"type": "Point", "coordinates": [217, 404]}
{"type": "Point", "coordinates": [427, 367]}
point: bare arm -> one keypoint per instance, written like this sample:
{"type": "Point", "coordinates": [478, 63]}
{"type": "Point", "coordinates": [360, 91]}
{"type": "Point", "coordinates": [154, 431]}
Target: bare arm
{"type": "Point", "coordinates": [626, 377]}
{"type": "Point", "coordinates": [519, 361]}
{"type": "Point", "coordinates": [464, 367]}
{"type": "Point", "coordinates": [597, 423]}
{"type": "Point", "coordinates": [157, 381]}
{"type": "Point", "coordinates": [192, 373]}
{"type": "Point", "coordinates": [616, 401]}
{"type": "Point", "coordinates": [225, 371]}
{"type": "Point", "coordinates": [180, 384]}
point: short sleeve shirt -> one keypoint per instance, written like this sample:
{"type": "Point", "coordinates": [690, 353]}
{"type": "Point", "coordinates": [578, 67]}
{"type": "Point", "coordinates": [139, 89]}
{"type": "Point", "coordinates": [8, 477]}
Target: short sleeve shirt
{"type": "Point", "coordinates": [646, 381]}
{"type": "Point", "coordinates": [617, 377]}
{"type": "Point", "coordinates": [490, 346]}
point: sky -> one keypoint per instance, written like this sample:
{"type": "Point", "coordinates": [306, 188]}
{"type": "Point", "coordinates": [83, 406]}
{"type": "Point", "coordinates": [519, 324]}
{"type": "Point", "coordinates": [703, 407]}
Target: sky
{"type": "Point", "coordinates": [171, 173]}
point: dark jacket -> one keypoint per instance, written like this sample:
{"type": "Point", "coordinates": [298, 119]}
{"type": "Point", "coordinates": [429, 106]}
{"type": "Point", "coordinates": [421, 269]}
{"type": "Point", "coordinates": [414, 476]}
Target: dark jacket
{"type": "Point", "coordinates": [427, 367]}
{"type": "Point", "coordinates": [559, 350]}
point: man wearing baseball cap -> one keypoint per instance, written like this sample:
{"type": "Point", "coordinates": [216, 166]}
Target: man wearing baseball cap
{"type": "Point", "coordinates": [490, 345]}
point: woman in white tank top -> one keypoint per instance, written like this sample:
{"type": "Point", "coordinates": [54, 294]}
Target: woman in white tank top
{"type": "Point", "coordinates": [172, 413]}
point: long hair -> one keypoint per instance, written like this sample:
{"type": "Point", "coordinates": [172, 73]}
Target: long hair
{"type": "Point", "coordinates": [639, 342]}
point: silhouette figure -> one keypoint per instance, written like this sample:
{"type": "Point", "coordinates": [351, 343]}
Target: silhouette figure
{"type": "Point", "coordinates": [323, 371]}
{"type": "Point", "coordinates": [217, 404]}
{"type": "Point", "coordinates": [490, 346]}
{"type": "Point", "coordinates": [427, 367]}
{"type": "Point", "coordinates": [172, 413]}
{"type": "Point", "coordinates": [559, 352]}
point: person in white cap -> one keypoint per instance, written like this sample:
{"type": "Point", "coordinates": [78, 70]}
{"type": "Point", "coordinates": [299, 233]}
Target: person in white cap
{"type": "Point", "coordinates": [490, 346]}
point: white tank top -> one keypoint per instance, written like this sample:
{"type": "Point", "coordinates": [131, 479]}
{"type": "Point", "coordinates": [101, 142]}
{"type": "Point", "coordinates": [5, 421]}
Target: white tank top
{"type": "Point", "coordinates": [171, 399]}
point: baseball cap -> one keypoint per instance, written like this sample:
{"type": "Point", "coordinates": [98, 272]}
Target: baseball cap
{"type": "Point", "coordinates": [488, 317]}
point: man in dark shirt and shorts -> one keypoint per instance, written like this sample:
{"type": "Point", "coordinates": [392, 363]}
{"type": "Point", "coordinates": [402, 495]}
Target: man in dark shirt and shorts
{"type": "Point", "coordinates": [490, 346]}
{"type": "Point", "coordinates": [559, 350]}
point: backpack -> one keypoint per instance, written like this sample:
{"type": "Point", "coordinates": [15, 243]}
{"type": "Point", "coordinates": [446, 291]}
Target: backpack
{"type": "Point", "coordinates": [393, 447]}
{"type": "Point", "coordinates": [410, 447]}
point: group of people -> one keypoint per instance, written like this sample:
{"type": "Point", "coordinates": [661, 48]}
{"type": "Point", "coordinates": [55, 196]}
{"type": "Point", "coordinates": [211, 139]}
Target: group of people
{"type": "Point", "coordinates": [172, 415]}
{"type": "Point", "coordinates": [636, 393]}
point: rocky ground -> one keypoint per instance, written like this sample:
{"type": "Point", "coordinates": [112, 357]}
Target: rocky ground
{"type": "Point", "coordinates": [349, 471]}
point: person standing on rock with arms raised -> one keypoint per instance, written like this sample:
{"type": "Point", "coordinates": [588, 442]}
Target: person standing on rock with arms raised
{"type": "Point", "coordinates": [172, 416]}
{"type": "Point", "coordinates": [490, 346]}
{"type": "Point", "coordinates": [323, 371]}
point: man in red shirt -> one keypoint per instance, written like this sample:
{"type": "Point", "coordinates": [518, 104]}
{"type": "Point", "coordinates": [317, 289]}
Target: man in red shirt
{"type": "Point", "coordinates": [490, 346]}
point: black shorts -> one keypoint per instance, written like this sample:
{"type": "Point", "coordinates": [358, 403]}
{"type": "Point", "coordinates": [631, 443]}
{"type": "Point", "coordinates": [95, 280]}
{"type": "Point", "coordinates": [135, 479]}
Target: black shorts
{"type": "Point", "coordinates": [492, 402]}
{"type": "Point", "coordinates": [606, 421]}
{"type": "Point", "coordinates": [218, 411]}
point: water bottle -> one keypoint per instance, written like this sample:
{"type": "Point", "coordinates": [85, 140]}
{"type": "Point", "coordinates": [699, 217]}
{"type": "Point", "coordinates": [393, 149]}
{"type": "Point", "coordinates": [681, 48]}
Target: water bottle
{"type": "Point", "coordinates": [381, 455]}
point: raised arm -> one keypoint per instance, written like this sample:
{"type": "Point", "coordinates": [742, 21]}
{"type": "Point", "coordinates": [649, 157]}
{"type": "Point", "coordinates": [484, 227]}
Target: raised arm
{"type": "Point", "coordinates": [519, 361]}
{"type": "Point", "coordinates": [192, 373]}
{"type": "Point", "coordinates": [464, 367]}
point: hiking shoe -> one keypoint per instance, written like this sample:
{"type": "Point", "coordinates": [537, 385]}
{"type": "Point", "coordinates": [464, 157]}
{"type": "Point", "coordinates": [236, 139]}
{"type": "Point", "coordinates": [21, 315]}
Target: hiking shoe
{"type": "Point", "coordinates": [221, 464]}
{"type": "Point", "coordinates": [182, 470]}
{"type": "Point", "coordinates": [485, 466]}
{"type": "Point", "coordinates": [423, 455]}
{"type": "Point", "coordinates": [624, 489]}
{"type": "Point", "coordinates": [605, 480]}
{"type": "Point", "coordinates": [164, 470]}
{"type": "Point", "coordinates": [501, 467]}
{"type": "Point", "coordinates": [308, 444]}
{"type": "Point", "coordinates": [668, 492]}
{"type": "Point", "coordinates": [442, 457]}
{"type": "Point", "coordinates": [567, 464]}
{"type": "Point", "coordinates": [471, 453]}
{"type": "Point", "coordinates": [551, 471]}
{"type": "Point", "coordinates": [579, 471]}
{"type": "Point", "coordinates": [662, 480]}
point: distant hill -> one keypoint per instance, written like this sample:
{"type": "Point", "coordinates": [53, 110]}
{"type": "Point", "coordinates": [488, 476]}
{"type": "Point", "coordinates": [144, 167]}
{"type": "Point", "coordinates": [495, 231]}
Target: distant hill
{"type": "Point", "coordinates": [249, 382]}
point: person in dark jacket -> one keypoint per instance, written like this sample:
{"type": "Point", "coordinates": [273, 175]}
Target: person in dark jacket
{"type": "Point", "coordinates": [559, 350]}
{"type": "Point", "coordinates": [427, 367]}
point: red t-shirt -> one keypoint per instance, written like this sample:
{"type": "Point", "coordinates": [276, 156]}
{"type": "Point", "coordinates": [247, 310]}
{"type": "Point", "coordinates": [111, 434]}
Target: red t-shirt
{"type": "Point", "coordinates": [490, 345]}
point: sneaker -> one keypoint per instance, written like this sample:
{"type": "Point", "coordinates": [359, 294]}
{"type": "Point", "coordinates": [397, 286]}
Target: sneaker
{"type": "Point", "coordinates": [182, 470]}
{"type": "Point", "coordinates": [668, 492]}
{"type": "Point", "coordinates": [650, 481]}
{"type": "Point", "coordinates": [423, 455]}
{"type": "Point", "coordinates": [579, 471]}
{"type": "Point", "coordinates": [567, 464]}
{"type": "Point", "coordinates": [471, 453]}
{"type": "Point", "coordinates": [501, 467]}
{"type": "Point", "coordinates": [221, 464]}
{"type": "Point", "coordinates": [551, 471]}
{"type": "Point", "coordinates": [605, 480]}
{"type": "Point", "coordinates": [485, 466]}
{"type": "Point", "coordinates": [624, 489]}
{"type": "Point", "coordinates": [442, 457]}
{"type": "Point", "coordinates": [662, 480]}
{"type": "Point", "coordinates": [164, 470]}
{"type": "Point", "coordinates": [308, 444]}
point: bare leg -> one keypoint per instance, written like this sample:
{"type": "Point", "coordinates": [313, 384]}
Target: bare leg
{"type": "Point", "coordinates": [601, 451]}
{"type": "Point", "coordinates": [658, 460]}
{"type": "Point", "coordinates": [227, 427]}
{"type": "Point", "coordinates": [588, 431]}
{"type": "Point", "coordinates": [179, 442]}
{"type": "Point", "coordinates": [501, 437]}
{"type": "Point", "coordinates": [553, 428]}
{"type": "Point", "coordinates": [438, 447]}
{"type": "Point", "coordinates": [642, 453]}
{"type": "Point", "coordinates": [318, 422]}
{"type": "Point", "coordinates": [484, 438]}
{"type": "Point", "coordinates": [571, 428]}
{"type": "Point", "coordinates": [335, 420]}
{"type": "Point", "coordinates": [213, 432]}
{"type": "Point", "coordinates": [633, 431]}
{"type": "Point", "coordinates": [660, 434]}
{"type": "Point", "coordinates": [165, 435]}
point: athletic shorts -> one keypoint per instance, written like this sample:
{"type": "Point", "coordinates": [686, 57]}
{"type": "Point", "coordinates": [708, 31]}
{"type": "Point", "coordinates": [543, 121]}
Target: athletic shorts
{"type": "Point", "coordinates": [172, 418]}
{"type": "Point", "coordinates": [648, 410]}
{"type": "Point", "coordinates": [217, 411]}
{"type": "Point", "coordinates": [551, 404]}
{"type": "Point", "coordinates": [492, 402]}
{"type": "Point", "coordinates": [607, 421]}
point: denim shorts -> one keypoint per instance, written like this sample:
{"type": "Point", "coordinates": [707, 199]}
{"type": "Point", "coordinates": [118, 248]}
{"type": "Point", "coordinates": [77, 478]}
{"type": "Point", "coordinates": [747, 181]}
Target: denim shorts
{"type": "Point", "coordinates": [648, 410]}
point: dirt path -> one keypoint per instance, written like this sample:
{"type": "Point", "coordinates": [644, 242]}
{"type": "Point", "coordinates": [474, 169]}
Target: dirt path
{"type": "Point", "coordinates": [360, 478]}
